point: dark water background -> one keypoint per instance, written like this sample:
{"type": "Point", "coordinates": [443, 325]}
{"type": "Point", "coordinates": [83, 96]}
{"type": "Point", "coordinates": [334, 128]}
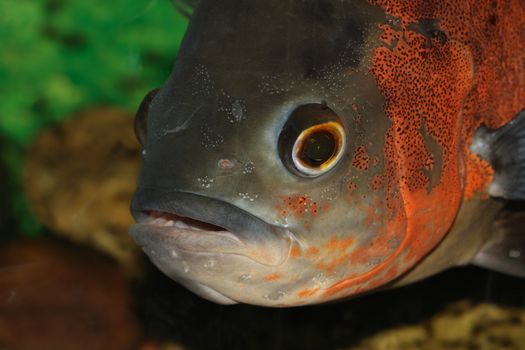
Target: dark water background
{"type": "Point", "coordinates": [59, 57]}
{"type": "Point", "coordinates": [334, 326]}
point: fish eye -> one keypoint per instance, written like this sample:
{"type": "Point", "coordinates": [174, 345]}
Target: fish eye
{"type": "Point", "coordinates": [141, 118]}
{"type": "Point", "coordinates": [312, 141]}
{"type": "Point", "coordinates": [318, 148]}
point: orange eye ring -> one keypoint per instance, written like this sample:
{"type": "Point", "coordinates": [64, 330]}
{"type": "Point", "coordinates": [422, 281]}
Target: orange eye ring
{"type": "Point", "coordinates": [319, 148]}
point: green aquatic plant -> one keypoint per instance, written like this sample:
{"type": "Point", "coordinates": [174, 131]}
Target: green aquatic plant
{"type": "Point", "coordinates": [60, 56]}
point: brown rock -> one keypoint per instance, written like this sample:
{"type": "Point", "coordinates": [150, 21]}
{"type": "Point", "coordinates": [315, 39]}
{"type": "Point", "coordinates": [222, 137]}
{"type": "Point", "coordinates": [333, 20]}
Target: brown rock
{"type": "Point", "coordinates": [58, 296]}
{"type": "Point", "coordinates": [79, 179]}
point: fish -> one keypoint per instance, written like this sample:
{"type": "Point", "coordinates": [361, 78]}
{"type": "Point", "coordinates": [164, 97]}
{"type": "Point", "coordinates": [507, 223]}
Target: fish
{"type": "Point", "coordinates": [308, 151]}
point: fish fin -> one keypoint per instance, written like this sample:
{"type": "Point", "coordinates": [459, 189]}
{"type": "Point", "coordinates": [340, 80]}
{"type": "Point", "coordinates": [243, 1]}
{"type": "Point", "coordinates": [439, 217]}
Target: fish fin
{"type": "Point", "coordinates": [504, 148]}
{"type": "Point", "coordinates": [505, 252]}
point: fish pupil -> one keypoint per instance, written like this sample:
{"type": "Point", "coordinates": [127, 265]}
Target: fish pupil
{"type": "Point", "coordinates": [318, 148]}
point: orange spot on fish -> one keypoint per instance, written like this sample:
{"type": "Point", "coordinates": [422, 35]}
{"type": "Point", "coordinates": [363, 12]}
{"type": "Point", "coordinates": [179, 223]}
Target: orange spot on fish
{"type": "Point", "coordinates": [280, 211]}
{"type": "Point", "coordinates": [343, 259]}
{"type": "Point", "coordinates": [376, 183]}
{"type": "Point", "coordinates": [332, 244]}
{"type": "Point", "coordinates": [360, 256]}
{"type": "Point", "coordinates": [361, 159]}
{"type": "Point", "coordinates": [371, 217]}
{"type": "Point", "coordinates": [272, 277]}
{"type": "Point", "coordinates": [305, 293]}
{"type": "Point", "coordinates": [480, 175]}
{"type": "Point", "coordinates": [352, 187]}
{"type": "Point", "coordinates": [341, 244]}
{"type": "Point", "coordinates": [313, 251]}
{"type": "Point", "coordinates": [298, 206]}
{"type": "Point", "coordinates": [314, 208]}
{"type": "Point", "coordinates": [329, 266]}
{"type": "Point", "coordinates": [295, 252]}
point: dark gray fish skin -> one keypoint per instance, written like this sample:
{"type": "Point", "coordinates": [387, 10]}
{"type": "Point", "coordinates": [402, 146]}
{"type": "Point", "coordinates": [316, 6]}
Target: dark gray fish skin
{"type": "Point", "coordinates": [229, 95]}
{"type": "Point", "coordinates": [226, 101]}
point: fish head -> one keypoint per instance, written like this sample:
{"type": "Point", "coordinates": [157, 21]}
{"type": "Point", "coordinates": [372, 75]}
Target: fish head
{"type": "Point", "coordinates": [265, 178]}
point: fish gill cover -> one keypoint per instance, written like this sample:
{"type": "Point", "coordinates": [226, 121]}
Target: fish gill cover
{"type": "Point", "coordinates": [59, 56]}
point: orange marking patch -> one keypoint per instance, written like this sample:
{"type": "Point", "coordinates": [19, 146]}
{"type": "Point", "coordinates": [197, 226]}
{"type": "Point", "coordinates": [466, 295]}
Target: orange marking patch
{"type": "Point", "coordinates": [305, 293]}
{"type": "Point", "coordinates": [313, 251]}
{"type": "Point", "coordinates": [281, 211]}
{"type": "Point", "coordinates": [376, 183]}
{"type": "Point", "coordinates": [314, 208]}
{"type": "Point", "coordinates": [483, 37]}
{"type": "Point", "coordinates": [331, 265]}
{"type": "Point", "coordinates": [352, 187]}
{"type": "Point", "coordinates": [480, 175]}
{"type": "Point", "coordinates": [298, 206]}
{"type": "Point", "coordinates": [272, 277]}
{"type": "Point", "coordinates": [428, 86]}
{"type": "Point", "coordinates": [372, 217]}
{"type": "Point", "coordinates": [438, 90]}
{"type": "Point", "coordinates": [336, 249]}
{"type": "Point", "coordinates": [361, 159]}
{"type": "Point", "coordinates": [340, 244]}
{"type": "Point", "coordinates": [360, 256]}
{"type": "Point", "coordinates": [295, 252]}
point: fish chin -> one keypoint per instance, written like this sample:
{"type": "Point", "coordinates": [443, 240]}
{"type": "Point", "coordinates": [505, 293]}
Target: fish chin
{"type": "Point", "coordinates": [215, 265]}
{"type": "Point", "coordinates": [207, 292]}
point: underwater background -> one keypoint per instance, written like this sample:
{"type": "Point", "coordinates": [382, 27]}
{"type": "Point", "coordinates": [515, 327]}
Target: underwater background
{"type": "Point", "coordinates": [72, 74]}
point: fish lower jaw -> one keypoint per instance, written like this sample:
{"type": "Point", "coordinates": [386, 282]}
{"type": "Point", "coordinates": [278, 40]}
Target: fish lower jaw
{"type": "Point", "coordinates": [207, 292]}
{"type": "Point", "coordinates": [208, 228]}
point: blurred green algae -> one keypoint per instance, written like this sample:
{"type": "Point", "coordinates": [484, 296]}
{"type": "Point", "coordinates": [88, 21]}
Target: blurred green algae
{"type": "Point", "coordinates": [61, 56]}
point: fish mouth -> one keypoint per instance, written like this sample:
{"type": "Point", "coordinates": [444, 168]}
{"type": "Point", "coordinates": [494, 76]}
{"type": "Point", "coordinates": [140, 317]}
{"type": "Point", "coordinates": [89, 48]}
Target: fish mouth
{"type": "Point", "coordinates": [191, 223]}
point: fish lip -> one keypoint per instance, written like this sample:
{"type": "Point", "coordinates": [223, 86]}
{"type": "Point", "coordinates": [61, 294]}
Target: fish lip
{"type": "Point", "coordinates": [244, 234]}
{"type": "Point", "coordinates": [183, 238]}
